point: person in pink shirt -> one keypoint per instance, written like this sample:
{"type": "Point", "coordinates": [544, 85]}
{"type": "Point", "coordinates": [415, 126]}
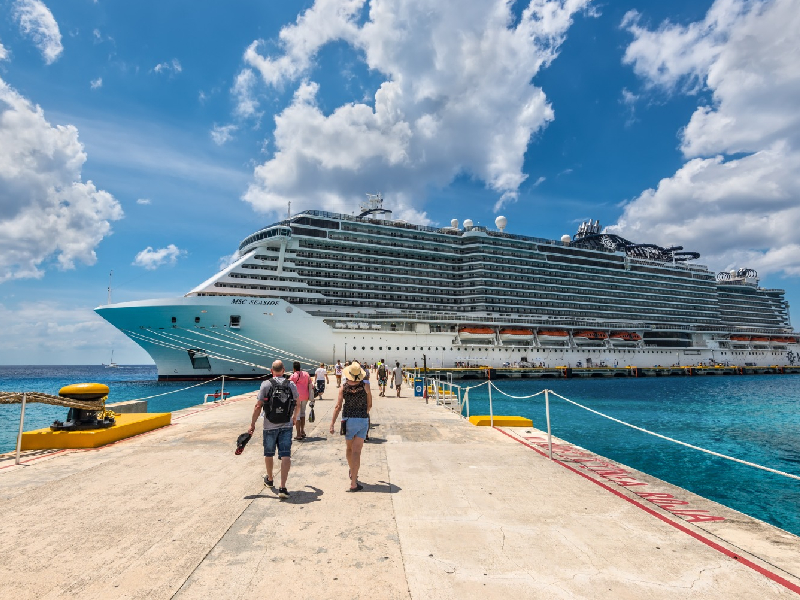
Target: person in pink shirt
{"type": "Point", "coordinates": [305, 389]}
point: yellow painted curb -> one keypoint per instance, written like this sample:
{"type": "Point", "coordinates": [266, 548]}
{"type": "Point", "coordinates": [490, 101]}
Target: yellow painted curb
{"type": "Point", "coordinates": [485, 421]}
{"type": "Point", "coordinates": [126, 425]}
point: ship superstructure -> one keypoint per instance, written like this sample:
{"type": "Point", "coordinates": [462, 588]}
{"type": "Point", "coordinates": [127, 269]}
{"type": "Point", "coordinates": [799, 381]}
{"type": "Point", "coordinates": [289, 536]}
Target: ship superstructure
{"type": "Point", "coordinates": [322, 286]}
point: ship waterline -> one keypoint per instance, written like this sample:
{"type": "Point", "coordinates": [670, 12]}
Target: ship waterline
{"type": "Point", "coordinates": [321, 287]}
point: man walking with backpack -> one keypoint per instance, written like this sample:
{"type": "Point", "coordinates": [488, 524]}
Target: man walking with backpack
{"type": "Point", "coordinates": [382, 377]}
{"type": "Point", "coordinates": [277, 398]}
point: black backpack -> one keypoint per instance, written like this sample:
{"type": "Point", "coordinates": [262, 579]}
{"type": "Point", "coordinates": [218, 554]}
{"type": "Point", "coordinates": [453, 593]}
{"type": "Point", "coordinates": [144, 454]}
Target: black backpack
{"type": "Point", "coordinates": [382, 371]}
{"type": "Point", "coordinates": [280, 402]}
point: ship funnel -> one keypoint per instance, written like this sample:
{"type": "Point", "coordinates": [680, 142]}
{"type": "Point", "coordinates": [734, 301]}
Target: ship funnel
{"type": "Point", "coordinates": [501, 223]}
{"type": "Point", "coordinates": [454, 223]}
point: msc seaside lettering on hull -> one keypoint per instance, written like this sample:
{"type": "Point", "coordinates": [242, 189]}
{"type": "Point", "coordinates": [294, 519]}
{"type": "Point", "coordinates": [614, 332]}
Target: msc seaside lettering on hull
{"type": "Point", "coordinates": [256, 302]}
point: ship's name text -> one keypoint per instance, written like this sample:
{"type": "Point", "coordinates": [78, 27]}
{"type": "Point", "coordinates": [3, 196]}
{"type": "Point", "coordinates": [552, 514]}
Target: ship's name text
{"type": "Point", "coordinates": [256, 302]}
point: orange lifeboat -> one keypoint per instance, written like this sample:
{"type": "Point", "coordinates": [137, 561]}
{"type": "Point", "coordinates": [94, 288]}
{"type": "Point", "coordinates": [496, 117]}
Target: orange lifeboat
{"type": "Point", "coordinates": [759, 339]}
{"type": "Point", "coordinates": [509, 334]}
{"type": "Point", "coordinates": [778, 341]}
{"type": "Point", "coordinates": [791, 340]}
{"type": "Point", "coordinates": [586, 337]}
{"type": "Point", "coordinates": [740, 338]}
{"type": "Point", "coordinates": [624, 337]}
{"type": "Point", "coordinates": [476, 333]}
{"type": "Point", "coordinates": [548, 336]}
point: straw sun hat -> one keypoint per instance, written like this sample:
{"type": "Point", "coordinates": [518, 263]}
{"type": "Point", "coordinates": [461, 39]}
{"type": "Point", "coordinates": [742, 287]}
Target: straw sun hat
{"type": "Point", "coordinates": [354, 372]}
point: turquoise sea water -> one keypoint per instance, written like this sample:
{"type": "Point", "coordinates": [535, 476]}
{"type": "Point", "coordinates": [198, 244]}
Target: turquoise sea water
{"type": "Point", "coordinates": [125, 383]}
{"type": "Point", "coordinates": [754, 418]}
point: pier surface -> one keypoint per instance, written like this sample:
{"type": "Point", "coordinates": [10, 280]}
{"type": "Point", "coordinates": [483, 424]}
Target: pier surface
{"type": "Point", "coordinates": [448, 511]}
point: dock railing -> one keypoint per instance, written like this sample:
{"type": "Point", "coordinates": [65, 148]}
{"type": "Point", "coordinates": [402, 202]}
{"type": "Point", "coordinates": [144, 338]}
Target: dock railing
{"type": "Point", "coordinates": [547, 393]}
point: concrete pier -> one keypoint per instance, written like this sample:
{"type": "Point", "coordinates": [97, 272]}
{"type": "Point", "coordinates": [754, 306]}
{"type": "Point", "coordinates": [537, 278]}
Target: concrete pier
{"type": "Point", "coordinates": [448, 510]}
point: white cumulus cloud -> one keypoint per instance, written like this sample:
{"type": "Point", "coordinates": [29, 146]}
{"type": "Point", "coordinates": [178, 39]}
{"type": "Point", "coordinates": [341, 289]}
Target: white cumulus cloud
{"type": "Point", "coordinates": [96, 83]}
{"type": "Point", "coordinates": [222, 133]}
{"type": "Point", "coordinates": [172, 67]}
{"type": "Point", "coordinates": [152, 259]}
{"type": "Point", "coordinates": [144, 201]}
{"type": "Point", "coordinates": [37, 22]}
{"type": "Point", "coordinates": [737, 197]}
{"type": "Point", "coordinates": [242, 90]}
{"type": "Point", "coordinates": [456, 98]}
{"type": "Point", "coordinates": [3, 52]}
{"type": "Point", "coordinates": [47, 211]}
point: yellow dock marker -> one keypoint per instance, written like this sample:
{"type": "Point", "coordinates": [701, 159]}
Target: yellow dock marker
{"type": "Point", "coordinates": [127, 425]}
{"type": "Point", "coordinates": [485, 421]}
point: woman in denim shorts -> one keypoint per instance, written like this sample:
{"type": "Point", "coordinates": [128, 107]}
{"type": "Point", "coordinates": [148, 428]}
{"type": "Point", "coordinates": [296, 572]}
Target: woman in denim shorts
{"type": "Point", "coordinates": [357, 399]}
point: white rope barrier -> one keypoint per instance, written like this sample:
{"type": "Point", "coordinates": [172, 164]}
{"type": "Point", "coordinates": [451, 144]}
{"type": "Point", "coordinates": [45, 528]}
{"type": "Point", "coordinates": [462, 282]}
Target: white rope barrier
{"type": "Point", "coordinates": [546, 392]}
{"type": "Point", "coordinates": [517, 397]}
{"type": "Point", "coordinates": [180, 390]}
{"type": "Point", "coordinates": [477, 386]}
{"type": "Point", "coordinates": [669, 439]}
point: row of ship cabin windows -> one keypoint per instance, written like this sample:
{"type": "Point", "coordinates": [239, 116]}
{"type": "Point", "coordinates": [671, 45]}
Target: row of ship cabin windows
{"type": "Point", "coordinates": [234, 320]}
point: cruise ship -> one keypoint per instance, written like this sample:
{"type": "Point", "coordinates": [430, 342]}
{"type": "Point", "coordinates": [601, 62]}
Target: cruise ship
{"type": "Point", "coordinates": [319, 287]}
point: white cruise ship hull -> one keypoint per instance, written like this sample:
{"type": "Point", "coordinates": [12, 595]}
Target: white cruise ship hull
{"type": "Point", "coordinates": [202, 344]}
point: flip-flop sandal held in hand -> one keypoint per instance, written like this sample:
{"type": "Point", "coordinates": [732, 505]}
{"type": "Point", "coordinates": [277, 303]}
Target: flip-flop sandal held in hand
{"type": "Point", "coordinates": [241, 442]}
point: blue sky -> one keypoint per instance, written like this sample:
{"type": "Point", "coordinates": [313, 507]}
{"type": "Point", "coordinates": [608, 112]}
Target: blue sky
{"type": "Point", "coordinates": [196, 123]}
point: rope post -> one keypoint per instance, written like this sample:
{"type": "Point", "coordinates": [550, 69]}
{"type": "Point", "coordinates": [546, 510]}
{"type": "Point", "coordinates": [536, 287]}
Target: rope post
{"type": "Point", "coordinates": [466, 401]}
{"type": "Point", "coordinates": [222, 391]}
{"type": "Point", "coordinates": [21, 424]}
{"type": "Point", "coordinates": [491, 410]}
{"type": "Point", "coordinates": [547, 412]}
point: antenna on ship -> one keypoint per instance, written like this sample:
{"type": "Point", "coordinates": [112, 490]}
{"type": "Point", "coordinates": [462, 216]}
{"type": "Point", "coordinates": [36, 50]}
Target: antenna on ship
{"type": "Point", "coordinates": [289, 210]}
{"type": "Point", "coordinates": [374, 206]}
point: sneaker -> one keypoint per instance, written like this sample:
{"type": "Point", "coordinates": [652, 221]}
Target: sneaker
{"type": "Point", "coordinates": [269, 482]}
{"type": "Point", "coordinates": [283, 493]}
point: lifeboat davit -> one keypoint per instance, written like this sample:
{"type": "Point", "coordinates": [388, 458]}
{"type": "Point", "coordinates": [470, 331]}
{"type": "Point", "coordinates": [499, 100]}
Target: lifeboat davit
{"type": "Point", "coordinates": [508, 334]}
{"type": "Point", "coordinates": [476, 333]}
{"type": "Point", "coordinates": [588, 337]}
{"type": "Point", "coordinates": [549, 336]}
{"type": "Point", "coordinates": [621, 338]}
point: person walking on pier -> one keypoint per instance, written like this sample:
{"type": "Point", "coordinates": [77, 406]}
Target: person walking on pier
{"type": "Point", "coordinates": [321, 375]}
{"type": "Point", "coordinates": [355, 402]}
{"type": "Point", "coordinates": [397, 373]}
{"type": "Point", "coordinates": [305, 391]}
{"type": "Point", "coordinates": [337, 370]}
{"type": "Point", "coordinates": [382, 376]}
{"type": "Point", "coordinates": [277, 399]}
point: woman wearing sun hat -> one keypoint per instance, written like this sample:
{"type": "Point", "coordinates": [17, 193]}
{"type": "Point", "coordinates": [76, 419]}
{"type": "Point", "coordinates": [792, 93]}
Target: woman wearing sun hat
{"type": "Point", "coordinates": [357, 399]}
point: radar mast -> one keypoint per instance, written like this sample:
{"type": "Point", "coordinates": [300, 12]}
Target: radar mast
{"type": "Point", "coordinates": [374, 206]}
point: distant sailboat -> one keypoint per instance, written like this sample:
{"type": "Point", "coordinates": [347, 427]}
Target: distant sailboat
{"type": "Point", "coordinates": [112, 364]}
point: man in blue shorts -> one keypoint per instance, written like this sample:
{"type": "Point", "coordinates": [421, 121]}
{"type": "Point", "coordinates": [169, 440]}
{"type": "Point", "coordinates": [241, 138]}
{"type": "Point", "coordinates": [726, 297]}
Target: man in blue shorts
{"type": "Point", "coordinates": [277, 399]}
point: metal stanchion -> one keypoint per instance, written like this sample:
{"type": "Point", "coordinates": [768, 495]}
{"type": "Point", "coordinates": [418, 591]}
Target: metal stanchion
{"type": "Point", "coordinates": [491, 410]}
{"type": "Point", "coordinates": [547, 412]}
{"type": "Point", "coordinates": [466, 401]}
{"type": "Point", "coordinates": [21, 424]}
{"type": "Point", "coordinates": [222, 391]}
